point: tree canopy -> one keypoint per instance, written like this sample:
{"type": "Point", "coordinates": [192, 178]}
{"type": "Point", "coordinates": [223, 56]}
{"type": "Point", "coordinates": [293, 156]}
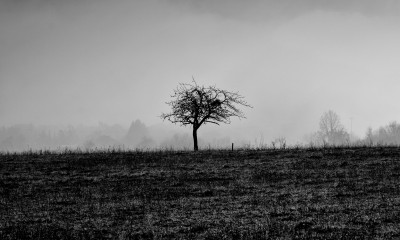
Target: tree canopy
{"type": "Point", "coordinates": [196, 105]}
{"type": "Point", "coordinates": [331, 129]}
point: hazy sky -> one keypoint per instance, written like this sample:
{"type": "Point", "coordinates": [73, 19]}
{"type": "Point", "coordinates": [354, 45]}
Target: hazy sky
{"type": "Point", "coordinates": [85, 61]}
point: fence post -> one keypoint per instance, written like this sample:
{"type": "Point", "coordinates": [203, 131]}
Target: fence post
{"type": "Point", "coordinates": [232, 146]}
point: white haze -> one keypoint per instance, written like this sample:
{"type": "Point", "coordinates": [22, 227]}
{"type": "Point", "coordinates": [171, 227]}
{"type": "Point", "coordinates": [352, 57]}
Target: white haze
{"type": "Point", "coordinates": [85, 62]}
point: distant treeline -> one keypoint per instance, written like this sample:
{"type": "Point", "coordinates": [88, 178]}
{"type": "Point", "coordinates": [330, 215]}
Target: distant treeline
{"type": "Point", "coordinates": [386, 135]}
{"type": "Point", "coordinates": [138, 135]}
{"type": "Point", "coordinates": [27, 136]}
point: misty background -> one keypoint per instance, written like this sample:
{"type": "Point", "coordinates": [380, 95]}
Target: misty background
{"type": "Point", "coordinates": [96, 73]}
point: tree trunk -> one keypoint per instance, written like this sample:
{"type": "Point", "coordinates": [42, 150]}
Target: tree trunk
{"type": "Point", "coordinates": [196, 148]}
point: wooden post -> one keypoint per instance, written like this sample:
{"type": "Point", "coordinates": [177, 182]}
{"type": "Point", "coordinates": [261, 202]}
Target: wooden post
{"type": "Point", "coordinates": [232, 146]}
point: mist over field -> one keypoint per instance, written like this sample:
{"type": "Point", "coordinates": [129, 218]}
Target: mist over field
{"type": "Point", "coordinates": [67, 66]}
{"type": "Point", "coordinates": [137, 135]}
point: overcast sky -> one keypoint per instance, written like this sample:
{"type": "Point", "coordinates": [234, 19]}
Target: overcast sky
{"type": "Point", "coordinates": [90, 61]}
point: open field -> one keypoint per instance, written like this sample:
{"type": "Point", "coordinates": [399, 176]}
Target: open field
{"type": "Point", "coordinates": [332, 193]}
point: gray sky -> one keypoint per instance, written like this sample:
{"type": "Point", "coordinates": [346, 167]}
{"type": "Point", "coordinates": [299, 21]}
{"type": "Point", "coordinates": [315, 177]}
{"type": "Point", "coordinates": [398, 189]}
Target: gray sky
{"type": "Point", "coordinates": [81, 62]}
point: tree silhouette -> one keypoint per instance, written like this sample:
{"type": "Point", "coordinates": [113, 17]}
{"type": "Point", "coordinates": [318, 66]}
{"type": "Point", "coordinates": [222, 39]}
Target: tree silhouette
{"type": "Point", "coordinates": [331, 129]}
{"type": "Point", "coordinates": [197, 105]}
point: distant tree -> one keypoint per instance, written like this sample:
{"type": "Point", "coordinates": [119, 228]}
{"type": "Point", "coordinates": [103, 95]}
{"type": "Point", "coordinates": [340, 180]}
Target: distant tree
{"type": "Point", "coordinates": [386, 135]}
{"type": "Point", "coordinates": [393, 131]}
{"type": "Point", "coordinates": [331, 131]}
{"type": "Point", "coordinates": [369, 137]}
{"type": "Point", "coordinates": [136, 133]}
{"type": "Point", "coordinates": [197, 105]}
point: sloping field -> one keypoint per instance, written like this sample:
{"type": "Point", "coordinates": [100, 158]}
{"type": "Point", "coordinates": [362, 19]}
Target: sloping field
{"type": "Point", "coordinates": [332, 193]}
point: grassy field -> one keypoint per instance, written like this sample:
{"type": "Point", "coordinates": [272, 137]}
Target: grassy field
{"type": "Point", "coordinates": [331, 193]}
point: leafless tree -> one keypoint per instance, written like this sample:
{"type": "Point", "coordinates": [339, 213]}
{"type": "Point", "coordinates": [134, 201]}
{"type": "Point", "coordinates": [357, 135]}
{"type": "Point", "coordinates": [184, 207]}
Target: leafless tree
{"type": "Point", "coordinates": [197, 105]}
{"type": "Point", "coordinates": [389, 134]}
{"type": "Point", "coordinates": [369, 137]}
{"type": "Point", "coordinates": [331, 129]}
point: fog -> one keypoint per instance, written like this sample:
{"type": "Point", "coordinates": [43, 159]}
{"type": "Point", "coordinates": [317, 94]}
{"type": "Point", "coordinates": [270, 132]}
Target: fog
{"type": "Point", "coordinates": [81, 63]}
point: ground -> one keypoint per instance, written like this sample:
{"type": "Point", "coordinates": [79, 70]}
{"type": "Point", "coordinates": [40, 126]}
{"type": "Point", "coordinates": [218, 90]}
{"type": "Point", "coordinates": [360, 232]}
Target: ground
{"type": "Point", "coordinates": [327, 193]}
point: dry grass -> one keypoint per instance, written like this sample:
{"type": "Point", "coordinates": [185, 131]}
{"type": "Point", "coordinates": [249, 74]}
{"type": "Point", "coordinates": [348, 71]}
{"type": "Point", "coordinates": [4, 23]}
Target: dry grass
{"type": "Point", "coordinates": [332, 193]}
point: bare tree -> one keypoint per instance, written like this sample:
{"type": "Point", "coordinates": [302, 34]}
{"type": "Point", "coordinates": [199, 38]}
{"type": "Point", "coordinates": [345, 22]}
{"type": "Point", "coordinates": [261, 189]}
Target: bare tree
{"type": "Point", "coordinates": [369, 137]}
{"type": "Point", "coordinates": [197, 105]}
{"type": "Point", "coordinates": [331, 129]}
{"type": "Point", "coordinates": [389, 134]}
